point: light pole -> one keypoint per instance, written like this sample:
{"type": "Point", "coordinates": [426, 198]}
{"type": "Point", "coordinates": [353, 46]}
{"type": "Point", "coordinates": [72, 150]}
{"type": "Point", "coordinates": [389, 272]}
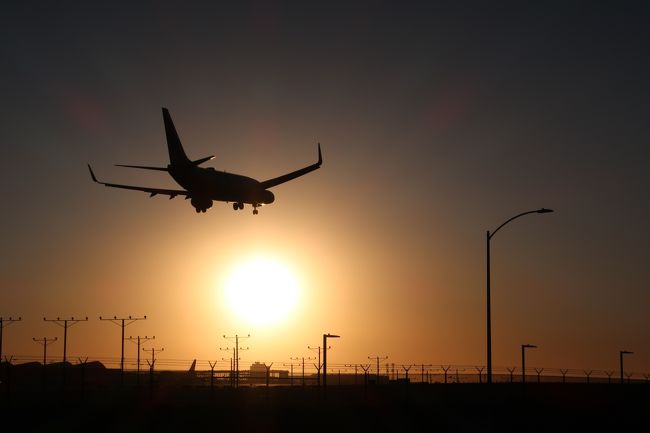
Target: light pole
{"type": "Point", "coordinates": [620, 354]}
{"type": "Point", "coordinates": [325, 337]}
{"type": "Point", "coordinates": [489, 320]}
{"type": "Point", "coordinates": [523, 360]}
{"type": "Point", "coordinates": [319, 366]}
{"type": "Point", "coordinates": [236, 355]}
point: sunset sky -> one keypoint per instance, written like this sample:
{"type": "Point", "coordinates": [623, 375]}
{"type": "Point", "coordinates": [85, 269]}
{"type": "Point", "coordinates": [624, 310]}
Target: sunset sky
{"type": "Point", "coordinates": [438, 121]}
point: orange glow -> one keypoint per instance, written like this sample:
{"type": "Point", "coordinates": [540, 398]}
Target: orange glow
{"type": "Point", "coordinates": [260, 291]}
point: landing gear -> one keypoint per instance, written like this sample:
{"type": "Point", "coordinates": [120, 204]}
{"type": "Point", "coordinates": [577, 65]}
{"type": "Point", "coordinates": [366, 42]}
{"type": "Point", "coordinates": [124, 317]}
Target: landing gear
{"type": "Point", "coordinates": [255, 211]}
{"type": "Point", "coordinates": [238, 206]}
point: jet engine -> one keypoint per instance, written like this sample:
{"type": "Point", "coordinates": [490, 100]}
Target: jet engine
{"type": "Point", "coordinates": [268, 197]}
{"type": "Point", "coordinates": [201, 204]}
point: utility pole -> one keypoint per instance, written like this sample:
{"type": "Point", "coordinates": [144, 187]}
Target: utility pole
{"type": "Point", "coordinates": [153, 355]}
{"type": "Point", "coordinates": [44, 342]}
{"type": "Point", "coordinates": [152, 363]}
{"type": "Point", "coordinates": [325, 337]}
{"type": "Point", "coordinates": [123, 322]}
{"type": "Point", "coordinates": [303, 365]}
{"type": "Point", "coordinates": [356, 370]}
{"type": "Point", "coordinates": [65, 324]}
{"type": "Point", "coordinates": [232, 364]}
{"type": "Point", "coordinates": [378, 359]}
{"type": "Point", "coordinates": [319, 366]}
{"type": "Point", "coordinates": [422, 372]}
{"type": "Point", "coordinates": [291, 365]}
{"type": "Point", "coordinates": [3, 324]}
{"type": "Point", "coordinates": [620, 354]}
{"type": "Point", "coordinates": [236, 337]}
{"type": "Point", "coordinates": [138, 340]}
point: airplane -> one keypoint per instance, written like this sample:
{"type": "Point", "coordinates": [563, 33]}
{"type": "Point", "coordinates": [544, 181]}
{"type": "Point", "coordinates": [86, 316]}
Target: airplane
{"type": "Point", "coordinates": [202, 186]}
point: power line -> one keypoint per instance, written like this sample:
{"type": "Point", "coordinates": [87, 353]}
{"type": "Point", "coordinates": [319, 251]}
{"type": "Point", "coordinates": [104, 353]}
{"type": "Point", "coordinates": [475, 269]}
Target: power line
{"type": "Point", "coordinates": [378, 359]}
{"type": "Point", "coordinates": [3, 324]}
{"type": "Point", "coordinates": [44, 342]}
{"type": "Point", "coordinates": [152, 363]}
{"type": "Point", "coordinates": [303, 365]}
{"type": "Point", "coordinates": [319, 366]}
{"type": "Point", "coordinates": [153, 355]}
{"type": "Point", "coordinates": [123, 322]}
{"type": "Point", "coordinates": [291, 364]}
{"type": "Point", "coordinates": [236, 337]}
{"type": "Point", "coordinates": [139, 341]}
{"type": "Point", "coordinates": [65, 324]}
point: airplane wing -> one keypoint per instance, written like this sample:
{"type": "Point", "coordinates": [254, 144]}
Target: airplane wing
{"type": "Point", "coordinates": [294, 174]}
{"type": "Point", "coordinates": [152, 191]}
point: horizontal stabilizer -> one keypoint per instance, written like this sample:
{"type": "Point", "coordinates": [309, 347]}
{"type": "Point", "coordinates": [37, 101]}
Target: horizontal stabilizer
{"type": "Point", "coordinates": [202, 160]}
{"type": "Point", "coordinates": [144, 167]}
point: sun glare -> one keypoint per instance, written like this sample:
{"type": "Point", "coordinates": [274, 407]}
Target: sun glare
{"type": "Point", "coordinates": [261, 291]}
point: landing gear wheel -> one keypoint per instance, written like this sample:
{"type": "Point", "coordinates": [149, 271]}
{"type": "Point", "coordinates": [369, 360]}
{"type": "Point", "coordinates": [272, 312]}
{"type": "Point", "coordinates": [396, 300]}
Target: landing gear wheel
{"type": "Point", "coordinates": [255, 211]}
{"type": "Point", "coordinates": [235, 206]}
{"type": "Point", "coordinates": [241, 205]}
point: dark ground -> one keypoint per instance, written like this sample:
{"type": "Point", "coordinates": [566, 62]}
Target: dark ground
{"type": "Point", "coordinates": [398, 407]}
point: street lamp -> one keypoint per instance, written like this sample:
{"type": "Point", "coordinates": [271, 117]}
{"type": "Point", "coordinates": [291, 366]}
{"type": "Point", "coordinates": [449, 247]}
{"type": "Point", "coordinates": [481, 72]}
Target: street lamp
{"type": "Point", "coordinates": [620, 354]}
{"type": "Point", "coordinates": [523, 360]}
{"type": "Point", "coordinates": [325, 337]}
{"type": "Point", "coordinates": [489, 320]}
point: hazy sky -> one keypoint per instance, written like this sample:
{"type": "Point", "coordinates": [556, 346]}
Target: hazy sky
{"type": "Point", "coordinates": [437, 121]}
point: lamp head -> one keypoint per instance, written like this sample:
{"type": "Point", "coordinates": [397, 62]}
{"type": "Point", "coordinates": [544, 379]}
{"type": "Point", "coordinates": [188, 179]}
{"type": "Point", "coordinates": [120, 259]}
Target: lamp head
{"type": "Point", "coordinates": [544, 210]}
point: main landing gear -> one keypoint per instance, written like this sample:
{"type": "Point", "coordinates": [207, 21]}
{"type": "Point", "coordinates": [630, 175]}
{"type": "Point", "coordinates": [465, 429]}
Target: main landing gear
{"type": "Point", "coordinates": [240, 206]}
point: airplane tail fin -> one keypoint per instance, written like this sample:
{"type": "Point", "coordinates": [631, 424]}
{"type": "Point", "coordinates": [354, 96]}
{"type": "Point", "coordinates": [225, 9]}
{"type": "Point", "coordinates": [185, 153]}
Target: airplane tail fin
{"type": "Point", "coordinates": [176, 153]}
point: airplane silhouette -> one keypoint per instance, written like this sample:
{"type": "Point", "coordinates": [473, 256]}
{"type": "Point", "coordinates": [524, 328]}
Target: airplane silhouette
{"type": "Point", "coordinates": [205, 185]}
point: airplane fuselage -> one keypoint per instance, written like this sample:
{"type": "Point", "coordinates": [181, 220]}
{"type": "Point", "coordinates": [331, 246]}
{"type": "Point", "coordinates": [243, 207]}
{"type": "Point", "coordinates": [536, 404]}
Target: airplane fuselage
{"type": "Point", "coordinates": [210, 184]}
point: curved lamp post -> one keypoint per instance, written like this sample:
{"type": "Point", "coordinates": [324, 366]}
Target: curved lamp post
{"type": "Point", "coordinates": [489, 320]}
{"type": "Point", "coordinates": [620, 354]}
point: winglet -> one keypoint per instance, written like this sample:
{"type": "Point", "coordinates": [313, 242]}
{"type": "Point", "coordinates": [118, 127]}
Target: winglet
{"type": "Point", "coordinates": [92, 175]}
{"type": "Point", "coordinates": [320, 156]}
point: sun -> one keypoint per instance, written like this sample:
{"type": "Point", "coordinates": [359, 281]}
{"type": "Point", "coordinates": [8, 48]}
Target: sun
{"type": "Point", "coordinates": [261, 291]}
